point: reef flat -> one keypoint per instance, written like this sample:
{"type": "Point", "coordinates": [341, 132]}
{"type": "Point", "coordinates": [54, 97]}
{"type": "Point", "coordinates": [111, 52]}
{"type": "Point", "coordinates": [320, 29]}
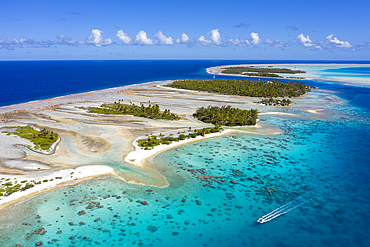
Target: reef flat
{"type": "Point", "coordinates": [101, 139]}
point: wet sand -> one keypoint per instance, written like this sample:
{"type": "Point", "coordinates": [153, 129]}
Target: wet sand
{"type": "Point", "coordinates": [103, 144]}
{"type": "Point", "coordinates": [313, 72]}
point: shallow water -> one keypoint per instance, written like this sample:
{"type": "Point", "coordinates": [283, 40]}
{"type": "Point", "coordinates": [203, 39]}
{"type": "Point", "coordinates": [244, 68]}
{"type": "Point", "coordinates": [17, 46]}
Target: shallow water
{"type": "Point", "coordinates": [319, 162]}
{"type": "Point", "coordinates": [323, 163]}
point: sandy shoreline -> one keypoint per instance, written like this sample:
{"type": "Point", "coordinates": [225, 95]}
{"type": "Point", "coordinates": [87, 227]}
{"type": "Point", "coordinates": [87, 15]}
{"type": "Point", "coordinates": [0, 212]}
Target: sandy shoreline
{"type": "Point", "coordinates": [311, 73]}
{"type": "Point", "coordinates": [60, 99]}
{"type": "Point", "coordinates": [81, 173]}
{"type": "Point", "coordinates": [139, 156]}
{"type": "Point", "coordinates": [85, 132]}
{"type": "Point", "coordinates": [69, 176]}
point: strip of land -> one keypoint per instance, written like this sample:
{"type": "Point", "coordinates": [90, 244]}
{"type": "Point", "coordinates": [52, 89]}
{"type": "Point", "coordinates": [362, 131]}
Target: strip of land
{"type": "Point", "coordinates": [92, 142]}
{"type": "Point", "coordinates": [51, 180]}
{"type": "Point", "coordinates": [139, 156]}
{"type": "Point", "coordinates": [313, 72]}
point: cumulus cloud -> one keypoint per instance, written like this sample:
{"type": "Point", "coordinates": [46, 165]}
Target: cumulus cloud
{"type": "Point", "coordinates": [183, 40]}
{"type": "Point", "coordinates": [305, 40]}
{"type": "Point", "coordinates": [20, 43]}
{"type": "Point", "coordinates": [96, 38]}
{"type": "Point", "coordinates": [123, 36]}
{"type": "Point", "coordinates": [64, 40]}
{"type": "Point", "coordinates": [239, 42]}
{"type": "Point", "coordinates": [203, 41]}
{"type": "Point", "coordinates": [163, 40]}
{"type": "Point", "coordinates": [255, 39]}
{"type": "Point", "coordinates": [336, 42]}
{"type": "Point", "coordinates": [215, 38]}
{"type": "Point", "coordinates": [142, 39]}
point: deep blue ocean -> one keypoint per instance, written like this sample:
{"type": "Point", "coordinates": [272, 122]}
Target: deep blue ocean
{"type": "Point", "coordinates": [318, 169]}
{"type": "Point", "coordinates": [24, 81]}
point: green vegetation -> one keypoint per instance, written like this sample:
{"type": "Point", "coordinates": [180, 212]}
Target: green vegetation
{"type": "Point", "coordinates": [275, 102]}
{"type": "Point", "coordinates": [9, 188]}
{"type": "Point", "coordinates": [153, 140]}
{"type": "Point", "coordinates": [42, 139]}
{"type": "Point", "coordinates": [117, 108]}
{"type": "Point", "coordinates": [245, 87]}
{"type": "Point", "coordinates": [226, 115]}
{"type": "Point", "coordinates": [261, 72]}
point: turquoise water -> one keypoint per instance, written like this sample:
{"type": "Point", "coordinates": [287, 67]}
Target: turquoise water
{"type": "Point", "coordinates": [322, 163]}
{"type": "Point", "coordinates": [348, 72]}
{"type": "Point", "coordinates": [351, 70]}
{"type": "Point", "coordinates": [320, 167]}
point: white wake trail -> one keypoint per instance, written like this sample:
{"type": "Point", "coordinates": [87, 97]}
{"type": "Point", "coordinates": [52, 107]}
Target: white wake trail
{"type": "Point", "coordinates": [281, 210]}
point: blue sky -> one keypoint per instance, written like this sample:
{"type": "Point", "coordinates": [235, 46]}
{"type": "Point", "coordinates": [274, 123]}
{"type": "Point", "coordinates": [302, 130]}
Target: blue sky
{"type": "Point", "coordinates": [142, 29]}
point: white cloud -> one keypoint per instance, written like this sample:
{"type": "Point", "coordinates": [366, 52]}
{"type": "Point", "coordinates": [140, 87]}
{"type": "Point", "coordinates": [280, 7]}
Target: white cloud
{"type": "Point", "coordinates": [275, 43]}
{"type": "Point", "coordinates": [163, 40]}
{"type": "Point", "coordinates": [96, 38]}
{"type": "Point", "coordinates": [239, 42]}
{"type": "Point", "coordinates": [255, 39]}
{"type": "Point", "coordinates": [184, 39]}
{"type": "Point", "coordinates": [64, 40]}
{"type": "Point", "coordinates": [305, 40]}
{"type": "Point", "coordinates": [204, 41]}
{"type": "Point", "coordinates": [336, 42]}
{"type": "Point", "coordinates": [142, 39]}
{"type": "Point", "coordinates": [216, 37]}
{"type": "Point", "coordinates": [123, 36]}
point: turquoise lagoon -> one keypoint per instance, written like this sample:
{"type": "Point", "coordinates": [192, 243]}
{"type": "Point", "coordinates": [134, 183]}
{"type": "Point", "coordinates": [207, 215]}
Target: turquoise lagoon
{"type": "Point", "coordinates": [319, 166]}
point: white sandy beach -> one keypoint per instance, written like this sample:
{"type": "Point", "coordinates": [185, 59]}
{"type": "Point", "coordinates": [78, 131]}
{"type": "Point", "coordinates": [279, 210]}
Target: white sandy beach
{"type": "Point", "coordinates": [68, 177]}
{"type": "Point", "coordinates": [139, 156]}
{"type": "Point", "coordinates": [313, 72]}
{"type": "Point", "coordinates": [112, 137]}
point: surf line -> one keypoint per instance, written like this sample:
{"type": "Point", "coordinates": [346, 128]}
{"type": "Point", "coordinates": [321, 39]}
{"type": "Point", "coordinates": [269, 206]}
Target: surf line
{"type": "Point", "coordinates": [282, 210]}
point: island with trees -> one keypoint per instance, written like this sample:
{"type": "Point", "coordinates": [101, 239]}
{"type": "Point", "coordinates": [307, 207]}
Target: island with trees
{"type": "Point", "coordinates": [275, 102]}
{"type": "Point", "coordinates": [226, 116]}
{"type": "Point", "coordinates": [118, 108]}
{"type": "Point", "coordinates": [260, 72]}
{"type": "Point", "coordinates": [42, 139]}
{"type": "Point", "coordinates": [249, 88]}
{"type": "Point", "coordinates": [152, 140]}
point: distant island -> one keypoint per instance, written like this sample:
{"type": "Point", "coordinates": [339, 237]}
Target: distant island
{"type": "Point", "coordinates": [245, 87]}
{"type": "Point", "coordinates": [260, 72]}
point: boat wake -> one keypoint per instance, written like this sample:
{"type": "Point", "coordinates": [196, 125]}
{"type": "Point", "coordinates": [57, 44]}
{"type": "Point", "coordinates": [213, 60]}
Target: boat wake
{"type": "Point", "coordinates": [283, 210]}
{"type": "Point", "coordinates": [326, 192]}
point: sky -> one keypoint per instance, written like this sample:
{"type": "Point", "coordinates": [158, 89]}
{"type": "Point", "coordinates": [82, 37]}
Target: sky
{"type": "Point", "coordinates": [192, 29]}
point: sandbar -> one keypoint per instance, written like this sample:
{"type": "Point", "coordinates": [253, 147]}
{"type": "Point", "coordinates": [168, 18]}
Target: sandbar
{"type": "Point", "coordinates": [138, 156]}
{"type": "Point", "coordinates": [91, 143]}
{"type": "Point", "coordinates": [67, 177]}
{"type": "Point", "coordinates": [313, 72]}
